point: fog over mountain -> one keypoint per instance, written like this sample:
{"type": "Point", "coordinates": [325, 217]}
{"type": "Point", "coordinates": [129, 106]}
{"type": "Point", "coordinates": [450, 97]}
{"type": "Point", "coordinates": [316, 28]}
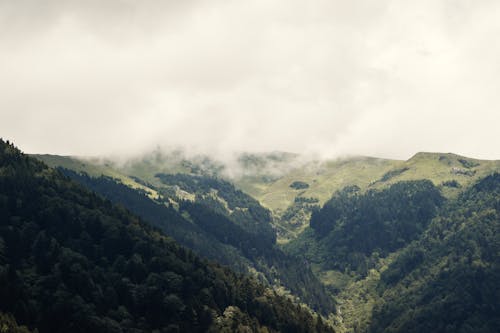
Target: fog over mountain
{"type": "Point", "coordinates": [384, 78]}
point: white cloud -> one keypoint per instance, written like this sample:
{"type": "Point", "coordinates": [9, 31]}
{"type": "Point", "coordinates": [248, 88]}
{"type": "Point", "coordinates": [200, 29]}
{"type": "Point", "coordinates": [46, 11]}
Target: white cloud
{"type": "Point", "coordinates": [385, 78]}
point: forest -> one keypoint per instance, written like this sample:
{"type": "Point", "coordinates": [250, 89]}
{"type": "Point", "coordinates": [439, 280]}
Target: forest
{"type": "Point", "coordinates": [415, 261]}
{"type": "Point", "coordinates": [208, 228]}
{"type": "Point", "coordinates": [71, 261]}
{"type": "Point", "coordinates": [83, 253]}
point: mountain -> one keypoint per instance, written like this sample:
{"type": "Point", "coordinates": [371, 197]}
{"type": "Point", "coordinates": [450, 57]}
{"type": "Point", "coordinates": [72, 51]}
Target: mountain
{"type": "Point", "coordinates": [355, 229]}
{"type": "Point", "coordinates": [270, 177]}
{"type": "Point", "coordinates": [400, 245]}
{"type": "Point", "coordinates": [71, 261]}
{"type": "Point", "coordinates": [448, 280]}
{"type": "Point", "coordinates": [213, 218]}
{"type": "Point", "coordinates": [404, 258]}
{"type": "Point", "coordinates": [292, 206]}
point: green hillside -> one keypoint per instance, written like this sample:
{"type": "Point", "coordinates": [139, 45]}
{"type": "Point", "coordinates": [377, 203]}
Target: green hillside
{"type": "Point", "coordinates": [326, 177]}
{"type": "Point", "coordinates": [94, 167]}
{"type": "Point", "coordinates": [71, 261]}
{"type": "Point", "coordinates": [448, 280]}
{"type": "Point", "coordinates": [384, 236]}
{"type": "Point", "coordinates": [219, 222]}
{"type": "Point", "coordinates": [452, 173]}
{"type": "Point", "coordinates": [269, 178]}
{"type": "Point", "coordinates": [405, 259]}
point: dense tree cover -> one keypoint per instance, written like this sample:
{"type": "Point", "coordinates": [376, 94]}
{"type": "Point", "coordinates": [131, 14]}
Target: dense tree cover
{"type": "Point", "coordinates": [444, 268]}
{"type": "Point", "coordinates": [448, 280]}
{"type": "Point", "coordinates": [241, 208]}
{"type": "Point", "coordinates": [73, 262]}
{"type": "Point", "coordinates": [167, 218]}
{"type": "Point", "coordinates": [353, 229]}
{"type": "Point", "coordinates": [211, 232]}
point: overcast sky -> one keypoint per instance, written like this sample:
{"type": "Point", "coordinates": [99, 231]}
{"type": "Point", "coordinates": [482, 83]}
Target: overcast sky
{"type": "Point", "coordinates": [375, 77]}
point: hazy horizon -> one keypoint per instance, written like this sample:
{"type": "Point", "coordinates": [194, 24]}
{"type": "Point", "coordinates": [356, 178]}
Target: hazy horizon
{"type": "Point", "coordinates": [330, 78]}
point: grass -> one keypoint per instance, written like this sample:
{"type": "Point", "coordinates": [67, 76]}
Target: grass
{"type": "Point", "coordinates": [267, 177]}
{"type": "Point", "coordinates": [93, 167]}
{"type": "Point", "coordinates": [356, 297]}
{"type": "Point", "coordinates": [324, 178]}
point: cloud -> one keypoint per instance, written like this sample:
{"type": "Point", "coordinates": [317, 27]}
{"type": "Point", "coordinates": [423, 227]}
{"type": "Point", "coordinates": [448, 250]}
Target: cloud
{"type": "Point", "coordinates": [384, 78]}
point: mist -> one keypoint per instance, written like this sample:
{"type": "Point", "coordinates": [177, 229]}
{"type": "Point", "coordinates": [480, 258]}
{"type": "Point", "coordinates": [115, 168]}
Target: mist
{"type": "Point", "coordinates": [323, 78]}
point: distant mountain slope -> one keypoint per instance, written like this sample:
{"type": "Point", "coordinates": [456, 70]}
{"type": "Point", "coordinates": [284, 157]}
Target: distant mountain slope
{"type": "Point", "coordinates": [269, 178]}
{"type": "Point", "coordinates": [165, 217]}
{"type": "Point", "coordinates": [448, 280]}
{"type": "Point", "coordinates": [452, 173]}
{"type": "Point", "coordinates": [93, 167]}
{"type": "Point", "coordinates": [72, 262]}
{"type": "Point", "coordinates": [403, 245]}
{"type": "Point", "coordinates": [354, 231]}
{"type": "Point", "coordinates": [220, 223]}
{"type": "Point", "coordinates": [403, 259]}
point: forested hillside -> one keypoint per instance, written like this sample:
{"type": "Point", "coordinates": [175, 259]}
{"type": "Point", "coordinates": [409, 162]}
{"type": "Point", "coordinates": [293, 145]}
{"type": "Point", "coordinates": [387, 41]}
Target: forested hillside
{"type": "Point", "coordinates": [353, 230]}
{"type": "Point", "coordinates": [73, 262]}
{"type": "Point", "coordinates": [402, 246]}
{"type": "Point", "coordinates": [448, 280]}
{"type": "Point", "coordinates": [404, 259]}
{"type": "Point", "coordinates": [234, 230]}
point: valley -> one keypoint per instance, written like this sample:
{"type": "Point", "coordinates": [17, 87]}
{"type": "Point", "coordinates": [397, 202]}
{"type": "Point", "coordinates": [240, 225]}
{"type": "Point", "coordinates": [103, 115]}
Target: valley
{"type": "Point", "coordinates": [388, 207]}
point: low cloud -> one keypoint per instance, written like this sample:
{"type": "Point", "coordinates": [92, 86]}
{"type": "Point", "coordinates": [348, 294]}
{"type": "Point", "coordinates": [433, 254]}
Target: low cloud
{"type": "Point", "coordinates": [383, 78]}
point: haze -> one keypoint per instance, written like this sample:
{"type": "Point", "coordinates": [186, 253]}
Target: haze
{"type": "Point", "coordinates": [380, 78]}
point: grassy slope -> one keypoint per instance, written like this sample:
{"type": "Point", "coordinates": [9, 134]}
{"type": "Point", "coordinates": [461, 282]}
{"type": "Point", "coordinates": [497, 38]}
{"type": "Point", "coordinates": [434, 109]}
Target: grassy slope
{"type": "Point", "coordinates": [267, 177]}
{"type": "Point", "coordinates": [365, 172]}
{"type": "Point", "coordinates": [357, 297]}
{"type": "Point", "coordinates": [93, 167]}
{"type": "Point", "coordinates": [443, 167]}
{"type": "Point", "coordinates": [323, 179]}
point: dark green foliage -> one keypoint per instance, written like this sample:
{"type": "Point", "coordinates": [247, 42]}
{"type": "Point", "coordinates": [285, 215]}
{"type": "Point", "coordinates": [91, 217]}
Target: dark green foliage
{"type": "Point", "coordinates": [212, 233]}
{"type": "Point", "coordinates": [298, 185]}
{"type": "Point", "coordinates": [242, 209]}
{"type": "Point", "coordinates": [378, 220]}
{"type": "Point", "coordinates": [448, 281]}
{"type": "Point", "coordinates": [447, 256]}
{"type": "Point", "coordinates": [226, 231]}
{"type": "Point", "coordinates": [169, 220]}
{"type": "Point", "coordinates": [393, 173]}
{"type": "Point", "coordinates": [352, 230]}
{"type": "Point", "coordinates": [73, 262]}
{"type": "Point", "coordinates": [452, 183]}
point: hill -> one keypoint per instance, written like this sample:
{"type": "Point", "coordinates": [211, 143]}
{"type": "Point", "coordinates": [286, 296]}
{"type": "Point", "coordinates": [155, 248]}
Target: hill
{"type": "Point", "coordinates": [213, 218]}
{"type": "Point", "coordinates": [270, 178]}
{"type": "Point", "coordinates": [404, 258]}
{"type": "Point", "coordinates": [447, 280]}
{"type": "Point", "coordinates": [292, 206]}
{"type": "Point", "coordinates": [73, 262]}
{"type": "Point", "coordinates": [387, 239]}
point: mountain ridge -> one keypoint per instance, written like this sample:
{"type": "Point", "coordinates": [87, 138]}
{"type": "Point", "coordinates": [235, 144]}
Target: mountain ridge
{"type": "Point", "coordinates": [268, 177]}
{"type": "Point", "coordinates": [70, 261]}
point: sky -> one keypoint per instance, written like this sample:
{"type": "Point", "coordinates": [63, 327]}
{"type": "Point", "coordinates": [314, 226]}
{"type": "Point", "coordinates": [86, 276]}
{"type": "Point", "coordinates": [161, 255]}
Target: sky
{"type": "Point", "coordinates": [383, 78]}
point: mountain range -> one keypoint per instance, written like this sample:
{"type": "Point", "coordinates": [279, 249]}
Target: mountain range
{"type": "Point", "coordinates": [354, 244]}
